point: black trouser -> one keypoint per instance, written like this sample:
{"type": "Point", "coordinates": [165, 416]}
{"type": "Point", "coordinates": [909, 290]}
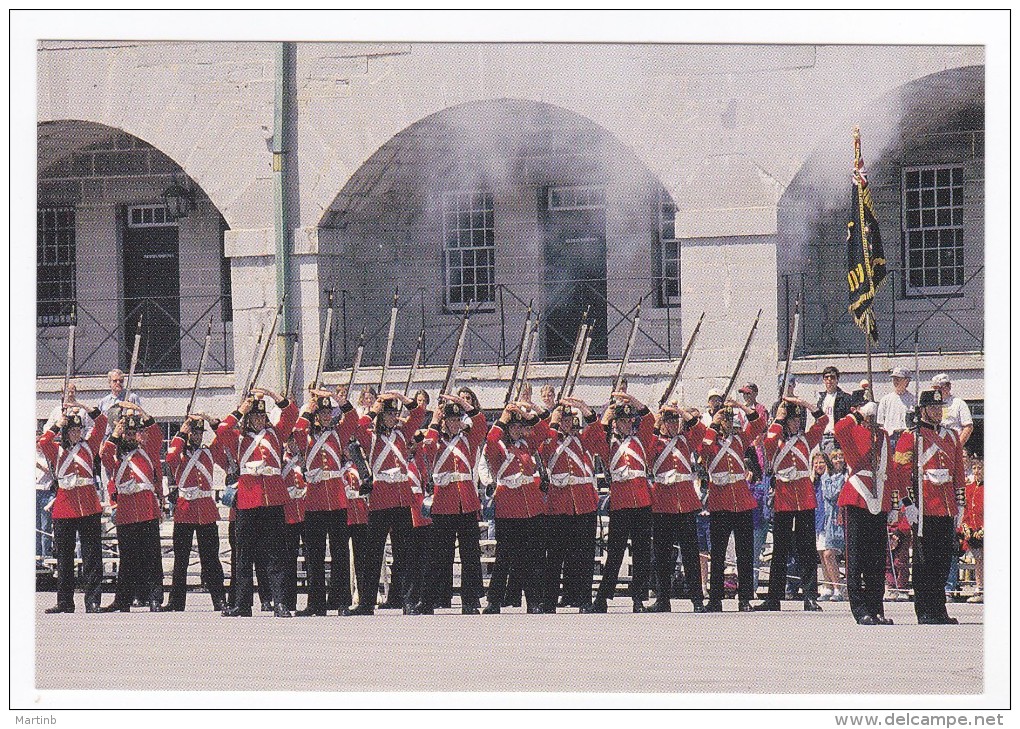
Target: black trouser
{"type": "Point", "coordinates": [636, 525]}
{"type": "Point", "coordinates": [793, 528]}
{"type": "Point", "coordinates": [260, 538]}
{"type": "Point", "coordinates": [448, 531]}
{"type": "Point", "coordinates": [141, 563]}
{"type": "Point", "coordinates": [290, 561]}
{"type": "Point", "coordinates": [396, 523]}
{"type": "Point", "coordinates": [318, 526]}
{"type": "Point", "coordinates": [669, 531]}
{"type": "Point", "coordinates": [741, 525]}
{"type": "Point", "coordinates": [261, 584]}
{"type": "Point", "coordinates": [934, 554]}
{"type": "Point", "coordinates": [418, 559]}
{"type": "Point", "coordinates": [520, 545]}
{"type": "Point", "coordinates": [866, 545]}
{"type": "Point", "coordinates": [359, 545]}
{"type": "Point", "coordinates": [208, 555]}
{"type": "Point", "coordinates": [570, 553]}
{"type": "Point", "coordinates": [88, 529]}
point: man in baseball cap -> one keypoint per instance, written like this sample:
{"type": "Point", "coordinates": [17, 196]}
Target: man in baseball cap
{"type": "Point", "coordinates": [893, 407]}
{"type": "Point", "coordinates": [955, 412]}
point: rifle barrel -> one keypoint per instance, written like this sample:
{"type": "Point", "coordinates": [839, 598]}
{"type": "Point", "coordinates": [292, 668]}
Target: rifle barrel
{"type": "Point", "coordinates": [630, 343]}
{"type": "Point", "coordinates": [683, 361]}
{"type": "Point", "coordinates": [743, 354]}
{"type": "Point", "coordinates": [525, 331]}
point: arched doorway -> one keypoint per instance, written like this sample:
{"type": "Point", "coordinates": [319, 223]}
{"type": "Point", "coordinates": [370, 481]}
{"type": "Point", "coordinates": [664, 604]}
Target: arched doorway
{"type": "Point", "coordinates": [123, 235]}
{"type": "Point", "coordinates": [500, 203]}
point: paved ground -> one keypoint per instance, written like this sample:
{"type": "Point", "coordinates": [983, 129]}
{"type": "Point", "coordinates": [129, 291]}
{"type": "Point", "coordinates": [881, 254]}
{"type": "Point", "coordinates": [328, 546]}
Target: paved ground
{"type": "Point", "coordinates": [788, 652]}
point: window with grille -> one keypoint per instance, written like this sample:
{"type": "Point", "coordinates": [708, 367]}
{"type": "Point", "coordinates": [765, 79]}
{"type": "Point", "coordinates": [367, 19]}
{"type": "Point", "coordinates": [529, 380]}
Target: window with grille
{"type": "Point", "coordinates": [148, 216]}
{"type": "Point", "coordinates": [577, 197]}
{"type": "Point", "coordinates": [669, 252]}
{"type": "Point", "coordinates": [933, 227]}
{"type": "Point", "coordinates": [56, 289]}
{"type": "Point", "coordinates": [469, 248]}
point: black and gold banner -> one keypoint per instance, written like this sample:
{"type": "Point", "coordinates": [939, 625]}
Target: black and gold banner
{"type": "Point", "coordinates": [865, 258]}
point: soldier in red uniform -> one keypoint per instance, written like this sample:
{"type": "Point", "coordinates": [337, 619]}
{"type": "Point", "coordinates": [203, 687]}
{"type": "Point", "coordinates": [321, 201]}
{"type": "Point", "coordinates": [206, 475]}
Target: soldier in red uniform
{"type": "Point", "coordinates": [788, 450]}
{"type": "Point", "coordinates": [939, 504]}
{"type": "Point", "coordinates": [572, 505]}
{"type": "Point", "coordinates": [326, 500]}
{"type": "Point", "coordinates": [76, 509]}
{"type": "Point", "coordinates": [866, 500]}
{"type": "Point", "coordinates": [257, 447]}
{"type": "Point", "coordinates": [357, 522]}
{"type": "Point", "coordinates": [676, 503]}
{"type": "Point", "coordinates": [195, 514]}
{"type": "Point", "coordinates": [449, 452]}
{"type": "Point", "coordinates": [132, 456]}
{"type": "Point", "coordinates": [627, 434]}
{"type": "Point", "coordinates": [293, 517]}
{"type": "Point", "coordinates": [385, 440]}
{"type": "Point", "coordinates": [520, 506]}
{"type": "Point", "coordinates": [730, 502]}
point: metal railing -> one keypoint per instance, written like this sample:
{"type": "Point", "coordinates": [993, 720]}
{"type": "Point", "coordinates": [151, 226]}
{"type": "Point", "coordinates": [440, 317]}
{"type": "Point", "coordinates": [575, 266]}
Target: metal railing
{"type": "Point", "coordinates": [173, 334]}
{"type": "Point", "coordinates": [828, 328]}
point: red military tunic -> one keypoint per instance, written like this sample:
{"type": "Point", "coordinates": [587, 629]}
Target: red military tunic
{"type": "Point", "coordinates": [259, 457]}
{"type": "Point", "coordinates": [357, 504]}
{"type": "Point", "coordinates": [76, 487]}
{"type": "Point", "coordinates": [193, 473]}
{"type": "Point", "coordinates": [136, 484]}
{"type": "Point", "coordinates": [387, 457]}
{"type": "Point", "coordinates": [791, 464]}
{"type": "Point", "coordinates": [325, 456]}
{"type": "Point", "coordinates": [294, 509]}
{"type": "Point", "coordinates": [855, 440]}
{"type": "Point", "coordinates": [627, 462]}
{"type": "Point", "coordinates": [974, 510]}
{"type": "Point", "coordinates": [518, 492]}
{"type": "Point", "coordinates": [727, 474]}
{"type": "Point", "coordinates": [417, 493]}
{"type": "Point", "coordinates": [673, 489]}
{"type": "Point", "coordinates": [571, 469]}
{"type": "Point", "coordinates": [452, 464]}
{"type": "Point", "coordinates": [941, 458]}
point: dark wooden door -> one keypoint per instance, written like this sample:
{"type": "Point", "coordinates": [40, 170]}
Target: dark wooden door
{"type": "Point", "coordinates": [152, 288]}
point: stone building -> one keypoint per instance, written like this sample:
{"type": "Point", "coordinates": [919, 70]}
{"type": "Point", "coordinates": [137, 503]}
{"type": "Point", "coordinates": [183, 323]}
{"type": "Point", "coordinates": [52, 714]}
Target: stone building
{"type": "Point", "coordinates": [198, 182]}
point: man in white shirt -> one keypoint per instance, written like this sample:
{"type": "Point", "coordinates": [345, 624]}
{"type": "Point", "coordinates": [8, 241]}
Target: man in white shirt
{"type": "Point", "coordinates": [955, 412]}
{"type": "Point", "coordinates": [893, 408]}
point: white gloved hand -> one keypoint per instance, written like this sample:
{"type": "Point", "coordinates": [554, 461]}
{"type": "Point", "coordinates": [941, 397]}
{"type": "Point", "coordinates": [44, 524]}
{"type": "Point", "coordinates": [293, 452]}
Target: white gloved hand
{"type": "Point", "coordinates": [868, 410]}
{"type": "Point", "coordinates": [911, 513]}
{"type": "Point", "coordinates": [958, 519]}
{"type": "Point", "coordinates": [894, 516]}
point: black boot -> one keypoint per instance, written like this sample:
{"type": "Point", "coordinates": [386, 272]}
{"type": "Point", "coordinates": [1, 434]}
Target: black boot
{"type": "Point", "coordinates": [744, 606]}
{"type": "Point", "coordinates": [365, 609]}
{"type": "Point", "coordinates": [155, 606]}
{"type": "Point", "coordinates": [811, 605]}
{"type": "Point", "coordinates": [310, 612]}
{"type": "Point", "coordinates": [699, 606]}
{"type": "Point", "coordinates": [219, 604]}
{"type": "Point", "coordinates": [660, 606]}
{"type": "Point", "coordinates": [640, 608]}
{"type": "Point", "coordinates": [92, 607]}
{"type": "Point", "coordinates": [174, 606]}
{"type": "Point", "coordinates": [769, 606]}
{"type": "Point", "coordinates": [281, 612]}
{"type": "Point", "coordinates": [598, 606]}
{"type": "Point", "coordinates": [713, 606]}
{"type": "Point", "coordinates": [236, 612]}
{"type": "Point", "coordinates": [115, 607]}
{"type": "Point", "coordinates": [59, 609]}
{"type": "Point", "coordinates": [267, 607]}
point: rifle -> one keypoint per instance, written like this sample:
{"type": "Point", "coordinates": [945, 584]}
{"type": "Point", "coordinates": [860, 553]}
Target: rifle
{"type": "Point", "coordinates": [201, 366]}
{"type": "Point", "coordinates": [683, 360]}
{"type": "Point", "coordinates": [743, 354]}
{"type": "Point", "coordinates": [583, 361]}
{"type": "Point", "coordinates": [414, 363]}
{"type": "Point", "coordinates": [324, 342]}
{"type": "Point", "coordinates": [457, 354]}
{"type": "Point", "coordinates": [356, 364]}
{"type": "Point", "coordinates": [69, 369]}
{"type": "Point", "coordinates": [630, 344]}
{"type": "Point", "coordinates": [520, 355]}
{"type": "Point", "coordinates": [294, 355]}
{"type": "Point", "coordinates": [918, 467]}
{"type": "Point", "coordinates": [389, 343]}
{"type": "Point", "coordinates": [789, 350]}
{"type": "Point", "coordinates": [533, 343]}
{"type": "Point", "coordinates": [254, 349]}
{"type": "Point", "coordinates": [134, 359]}
{"type": "Point", "coordinates": [575, 353]}
{"type": "Point", "coordinates": [265, 346]}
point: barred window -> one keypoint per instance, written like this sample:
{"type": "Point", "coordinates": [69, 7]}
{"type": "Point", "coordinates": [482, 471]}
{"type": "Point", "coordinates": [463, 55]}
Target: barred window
{"type": "Point", "coordinates": [56, 289]}
{"type": "Point", "coordinates": [469, 248]}
{"type": "Point", "coordinates": [669, 252]}
{"type": "Point", "coordinates": [577, 197]}
{"type": "Point", "coordinates": [933, 225]}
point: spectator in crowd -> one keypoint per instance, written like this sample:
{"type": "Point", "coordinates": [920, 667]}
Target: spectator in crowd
{"type": "Point", "coordinates": [366, 399]}
{"type": "Point", "coordinates": [750, 393]}
{"type": "Point", "coordinates": [116, 381]}
{"type": "Point", "coordinates": [955, 412]}
{"type": "Point", "coordinates": [973, 525]}
{"type": "Point", "coordinates": [893, 408]}
{"type": "Point", "coordinates": [835, 403]}
{"type": "Point", "coordinates": [715, 401]}
{"type": "Point", "coordinates": [548, 395]}
{"type": "Point", "coordinates": [829, 535]}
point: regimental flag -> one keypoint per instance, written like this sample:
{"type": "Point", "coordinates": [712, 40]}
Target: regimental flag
{"type": "Point", "coordinates": [865, 258]}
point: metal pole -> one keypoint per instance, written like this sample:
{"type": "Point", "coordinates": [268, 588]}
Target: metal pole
{"type": "Point", "coordinates": [502, 328]}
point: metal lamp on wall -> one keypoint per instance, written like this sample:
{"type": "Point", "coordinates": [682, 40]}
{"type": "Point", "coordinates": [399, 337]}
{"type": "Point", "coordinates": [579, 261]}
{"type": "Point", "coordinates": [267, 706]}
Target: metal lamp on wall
{"type": "Point", "coordinates": [179, 198]}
